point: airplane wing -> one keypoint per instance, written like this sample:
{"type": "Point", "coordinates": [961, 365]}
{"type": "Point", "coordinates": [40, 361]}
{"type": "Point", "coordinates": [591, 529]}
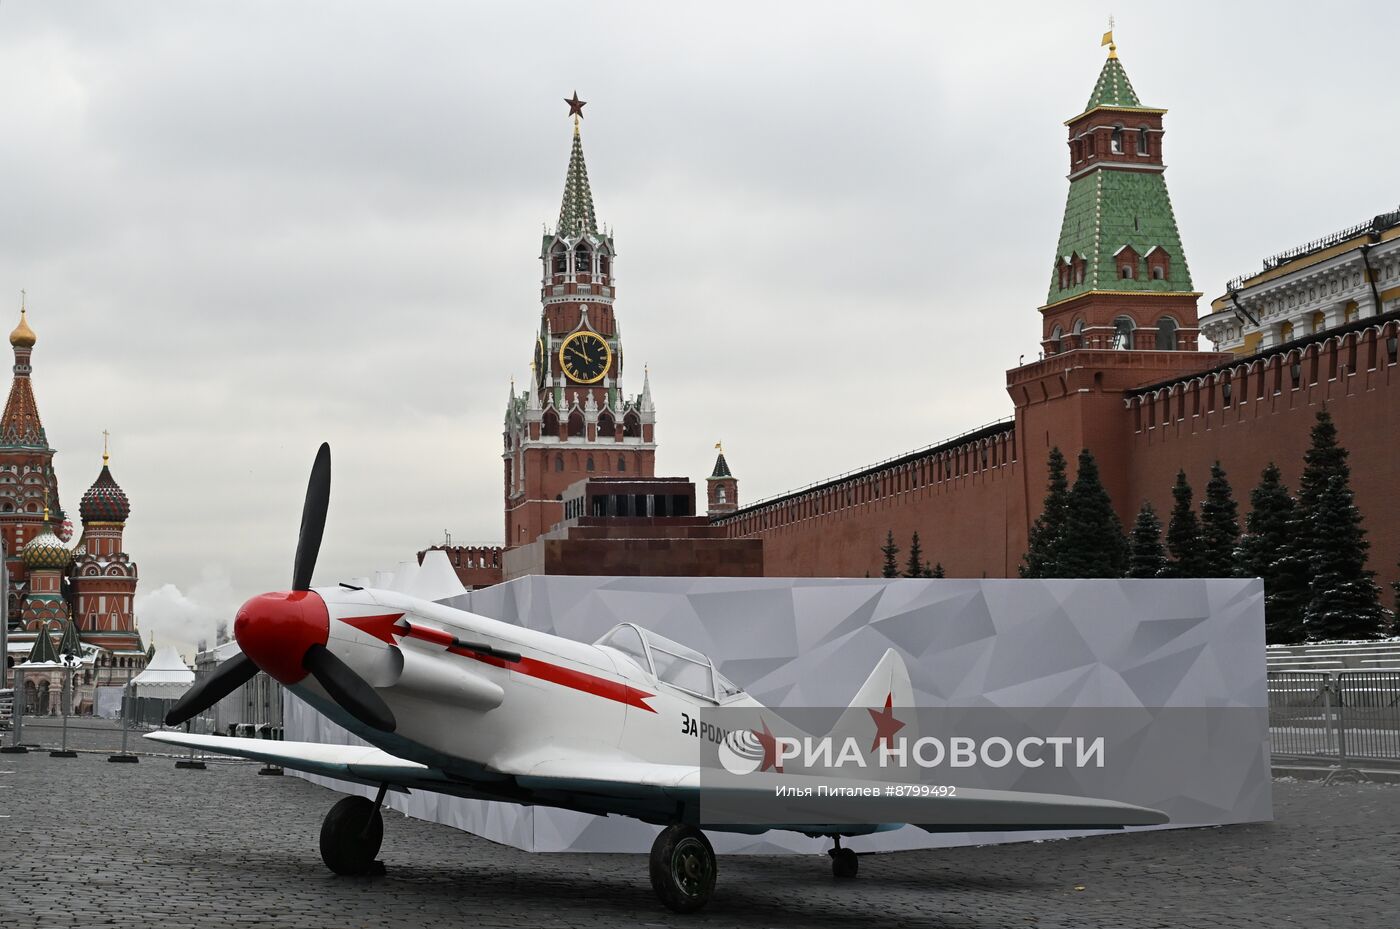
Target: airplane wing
{"type": "Point", "coordinates": [967, 810]}
{"type": "Point", "coordinates": [360, 763]}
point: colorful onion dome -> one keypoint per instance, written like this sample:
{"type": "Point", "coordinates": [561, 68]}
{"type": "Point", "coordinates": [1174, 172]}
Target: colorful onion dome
{"type": "Point", "coordinates": [23, 335]}
{"type": "Point", "coordinates": [105, 501]}
{"type": "Point", "coordinates": [45, 551]}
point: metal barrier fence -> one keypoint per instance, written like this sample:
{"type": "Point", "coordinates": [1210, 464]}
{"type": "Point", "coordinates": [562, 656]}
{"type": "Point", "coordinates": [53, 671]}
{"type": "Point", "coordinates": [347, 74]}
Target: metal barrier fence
{"type": "Point", "coordinates": [1340, 716]}
{"type": "Point", "coordinates": [252, 711]}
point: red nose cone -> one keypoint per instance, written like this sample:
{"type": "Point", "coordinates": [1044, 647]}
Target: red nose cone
{"type": "Point", "coordinates": [275, 630]}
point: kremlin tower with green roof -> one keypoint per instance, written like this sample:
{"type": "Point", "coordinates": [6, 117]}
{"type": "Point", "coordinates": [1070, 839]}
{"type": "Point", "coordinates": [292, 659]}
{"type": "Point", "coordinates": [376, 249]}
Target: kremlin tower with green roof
{"type": "Point", "coordinates": [1120, 278]}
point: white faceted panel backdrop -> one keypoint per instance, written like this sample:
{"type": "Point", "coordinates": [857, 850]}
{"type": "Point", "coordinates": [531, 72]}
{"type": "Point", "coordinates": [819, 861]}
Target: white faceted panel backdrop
{"type": "Point", "coordinates": [812, 642]}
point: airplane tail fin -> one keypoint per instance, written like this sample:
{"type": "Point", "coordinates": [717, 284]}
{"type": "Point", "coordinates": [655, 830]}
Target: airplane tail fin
{"type": "Point", "coordinates": [885, 693]}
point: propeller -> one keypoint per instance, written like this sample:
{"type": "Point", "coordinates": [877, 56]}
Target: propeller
{"type": "Point", "coordinates": [227, 677]}
{"type": "Point", "coordinates": [313, 519]}
{"type": "Point", "coordinates": [350, 691]}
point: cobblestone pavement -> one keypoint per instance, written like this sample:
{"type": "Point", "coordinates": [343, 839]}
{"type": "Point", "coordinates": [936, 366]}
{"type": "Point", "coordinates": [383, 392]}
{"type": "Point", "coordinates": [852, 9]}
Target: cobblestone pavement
{"type": "Point", "coordinates": [147, 845]}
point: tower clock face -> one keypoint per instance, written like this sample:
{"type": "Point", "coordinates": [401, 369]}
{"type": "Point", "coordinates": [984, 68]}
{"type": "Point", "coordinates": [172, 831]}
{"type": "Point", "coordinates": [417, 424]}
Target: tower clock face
{"type": "Point", "coordinates": [539, 359]}
{"type": "Point", "coordinates": [585, 356]}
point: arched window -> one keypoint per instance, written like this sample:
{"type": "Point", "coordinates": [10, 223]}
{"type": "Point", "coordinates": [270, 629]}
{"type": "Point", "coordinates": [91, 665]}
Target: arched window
{"type": "Point", "coordinates": [583, 260]}
{"type": "Point", "coordinates": [588, 465]}
{"type": "Point", "coordinates": [607, 427]}
{"type": "Point", "coordinates": [1143, 141]}
{"type": "Point", "coordinates": [632, 426]}
{"type": "Point", "coordinates": [1157, 273]}
{"type": "Point", "coordinates": [622, 462]}
{"type": "Point", "coordinates": [1127, 272]}
{"type": "Point", "coordinates": [1123, 332]}
{"type": "Point", "coordinates": [1115, 144]}
{"type": "Point", "coordinates": [575, 424]}
{"type": "Point", "coordinates": [1056, 335]}
{"type": "Point", "coordinates": [550, 425]}
{"type": "Point", "coordinates": [1166, 334]}
{"type": "Point", "coordinates": [561, 259]}
{"type": "Point", "coordinates": [558, 462]}
{"type": "Point", "coordinates": [721, 495]}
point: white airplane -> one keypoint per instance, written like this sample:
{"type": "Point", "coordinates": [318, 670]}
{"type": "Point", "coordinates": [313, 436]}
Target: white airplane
{"type": "Point", "coordinates": [470, 706]}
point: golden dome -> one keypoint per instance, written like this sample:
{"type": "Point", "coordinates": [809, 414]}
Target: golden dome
{"type": "Point", "coordinates": [23, 335]}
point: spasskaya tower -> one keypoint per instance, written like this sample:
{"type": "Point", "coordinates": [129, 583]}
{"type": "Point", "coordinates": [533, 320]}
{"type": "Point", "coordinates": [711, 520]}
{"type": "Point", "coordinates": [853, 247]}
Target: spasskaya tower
{"type": "Point", "coordinates": [572, 420]}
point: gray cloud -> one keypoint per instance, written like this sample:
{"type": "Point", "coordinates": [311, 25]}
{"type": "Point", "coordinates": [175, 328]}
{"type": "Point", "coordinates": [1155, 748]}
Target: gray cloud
{"type": "Point", "coordinates": [248, 228]}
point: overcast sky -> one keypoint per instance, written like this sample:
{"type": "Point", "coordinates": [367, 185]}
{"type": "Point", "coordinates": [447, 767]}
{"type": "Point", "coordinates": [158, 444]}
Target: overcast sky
{"type": "Point", "coordinates": [249, 227]}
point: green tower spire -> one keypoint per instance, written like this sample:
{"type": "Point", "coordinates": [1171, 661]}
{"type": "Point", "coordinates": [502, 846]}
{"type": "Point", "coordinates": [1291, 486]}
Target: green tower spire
{"type": "Point", "coordinates": [1118, 212]}
{"type": "Point", "coordinates": [576, 215]}
{"type": "Point", "coordinates": [43, 650]}
{"type": "Point", "coordinates": [1113, 89]}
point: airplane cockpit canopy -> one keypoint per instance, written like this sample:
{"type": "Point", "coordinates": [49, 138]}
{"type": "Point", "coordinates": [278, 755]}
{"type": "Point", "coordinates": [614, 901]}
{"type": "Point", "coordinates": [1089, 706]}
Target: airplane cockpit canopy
{"type": "Point", "coordinates": [670, 662]}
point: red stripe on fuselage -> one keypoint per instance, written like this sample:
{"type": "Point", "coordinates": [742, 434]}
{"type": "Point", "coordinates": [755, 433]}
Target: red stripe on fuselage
{"type": "Point", "coordinates": [542, 670]}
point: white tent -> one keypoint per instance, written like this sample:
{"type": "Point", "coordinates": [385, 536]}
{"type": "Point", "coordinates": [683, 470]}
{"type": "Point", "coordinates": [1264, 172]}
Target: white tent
{"type": "Point", "coordinates": [166, 678]}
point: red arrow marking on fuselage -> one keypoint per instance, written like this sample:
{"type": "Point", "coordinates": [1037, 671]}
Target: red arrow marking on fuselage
{"type": "Point", "coordinates": [383, 628]}
{"type": "Point", "coordinates": [387, 627]}
{"type": "Point", "coordinates": [566, 677]}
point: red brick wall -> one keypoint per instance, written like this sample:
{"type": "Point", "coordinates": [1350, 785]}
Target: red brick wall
{"type": "Point", "coordinates": [974, 519]}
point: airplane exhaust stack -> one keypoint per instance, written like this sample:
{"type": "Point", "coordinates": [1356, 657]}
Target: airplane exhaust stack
{"type": "Point", "coordinates": [452, 683]}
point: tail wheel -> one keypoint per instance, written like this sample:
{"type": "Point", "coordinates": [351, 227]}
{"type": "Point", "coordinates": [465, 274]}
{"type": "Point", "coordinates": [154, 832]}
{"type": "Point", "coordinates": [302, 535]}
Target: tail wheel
{"type": "Point", "coordinates": [844, 864]}
{"type": "Point", "coordinates": [351, 835]}
{"type": "Point", "coordinates": [683, 868]}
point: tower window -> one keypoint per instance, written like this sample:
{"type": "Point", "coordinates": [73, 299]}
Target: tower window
{"type": "Point", "coordinates": [1157, 274]}
{"type": "Point", "coordinates": [1127, 272]}
{"type": "Point", "coordinates": [583, 260]}
{"type": "Point", "coordinates": [558, 462]}
{"type": "Point", "coordinates": [1142, 141]}
{"type": "Point", "coordinates": [604, 264]}
{"type": "Point", "coordinates": [561, 260]}
{"type": "Point", "coordinates": [721, 496]}
{"type": "Point", "coordinates": [1056, 335]}
{"type": "Point", "coordinates": [1115, 144]}
{"type": "Point", "coordinates": [622, 462]}
{"type": "Point", "coordinates": [1123, 328]}
{"type": "Point", "coordinates": [589, 464]}
{"type": "Point", "coordinates": [1166, 334]}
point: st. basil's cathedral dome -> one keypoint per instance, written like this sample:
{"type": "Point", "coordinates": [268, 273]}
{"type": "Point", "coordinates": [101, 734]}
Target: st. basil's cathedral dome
{"type": "Point", "coordinates": [105, 501]}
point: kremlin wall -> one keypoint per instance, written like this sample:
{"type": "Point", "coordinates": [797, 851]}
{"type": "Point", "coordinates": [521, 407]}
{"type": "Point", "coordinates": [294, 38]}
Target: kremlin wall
{"type": "Point", "coordinates": [1121, 373]}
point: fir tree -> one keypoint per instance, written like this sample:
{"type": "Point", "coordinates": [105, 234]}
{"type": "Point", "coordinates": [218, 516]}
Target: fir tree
{"type": "Point", "coordinates": [937, 571]}
{"type": "Point", "coordinates": [1325, 459]}
{"type": "Point", "coordinates": [891, 553]}
{"type": "Point", "coordinates": [1345, 601]}
{"type": "Point", "coordinates": [1188, 557]}
{"type": "Point", "coordinates": [914, 567]}
{"type": "Point", "coordinates": [1092, 544]}
{"type": "Point", "coordinates": [1043, 543]}
{"type": "Point", "coordinates": [1220, 524]}
{"type": "Point", "coordinates": [1146, 556]}
{"type": "Point", "coordinates": [1264, 552]}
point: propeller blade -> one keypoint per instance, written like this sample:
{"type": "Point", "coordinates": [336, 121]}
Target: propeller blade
{"type": "Point", "coordinates": [348, 689]}
{"type": "Point", "coordinates": [227, 677]}
{"type": "Point", "coordinates": [313, 519]}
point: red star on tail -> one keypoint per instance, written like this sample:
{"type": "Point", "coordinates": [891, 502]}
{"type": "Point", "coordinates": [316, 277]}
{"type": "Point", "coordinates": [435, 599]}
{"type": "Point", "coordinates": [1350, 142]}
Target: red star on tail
{"type": "Point", "coordinates": [885, 724]}
{"type": "Point", "coordinates": [770, 749]}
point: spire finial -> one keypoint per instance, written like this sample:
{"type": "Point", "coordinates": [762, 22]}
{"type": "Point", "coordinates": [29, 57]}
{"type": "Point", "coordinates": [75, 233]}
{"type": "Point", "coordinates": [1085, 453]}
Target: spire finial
{"type": "Point", "coordinates": [719, 447]}
{"type": "Point", "coordinates": [576, 109]}
{"type": "Point", "coordinates": [1108, 39]}
{"type": "Point", "coordinates": [46, 505]}
{"type": "Point", "coordinates": [105, 457]}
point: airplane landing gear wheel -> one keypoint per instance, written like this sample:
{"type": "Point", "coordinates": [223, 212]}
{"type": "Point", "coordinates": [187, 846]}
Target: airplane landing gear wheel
{"type": "Point", "coordinates": [351, 835]}
{"type": "Point", "coordinates": [683, 868]}
{"type": "Point", "coordinates": [844, 864]}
